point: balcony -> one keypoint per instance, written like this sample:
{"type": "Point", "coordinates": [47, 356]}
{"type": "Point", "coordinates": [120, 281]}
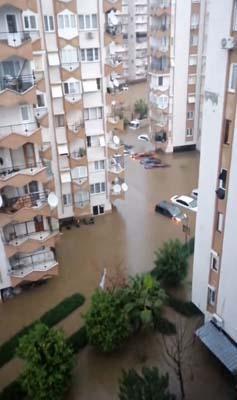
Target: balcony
{"type": "Point", "coordinates": [34, 267]}
{"type": "Point", "coordinates": [21, 4]}
{"type": "Point", "coordinates": [112, 4]}
{"type": "Point", "coordinates": [18, 89]}
{"type": "Point", "coordinates": [82, 208]}
{"type": "Point", "coordinates": [115, 149]}
{"type": "Point", "coordinates": [79, 184]}
{"type": "Point", "coordinates": [115, 95]}
{"type": "Point", "coordinates": [116, 191]}
{"type": "Point", "coordinates": [24, 208]}
{"type": "Point", "coordinates": [20, 175]}
{"type": "Point", "coordinates": [75, 131]}
{"type": "Point", "coordinates": [78, 158]}
{"type": "Point", "coordinates": [115, 122]}
{"type": "Point", "coordinates": [161, 64]}
{"type": "Point", "coordinates": [116, 164]}
{"type": "Point", "coordinates": [160, 140]}
{"type": "Point", "coordinates": [31, 242]}
{"type": "Point", "coordinates": [113, 29]}
{"type": "Point", "coordinates": [113, 64]}
{"type": "Point", "coordinates": [17, 44]}
{"type": "Point", "coordinates": [15, 136]}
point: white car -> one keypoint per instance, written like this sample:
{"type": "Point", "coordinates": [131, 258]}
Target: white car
{"type": "Point", "coordinates": [134, 124]}
{"type": "Point", "coordinates": [144, 138]}
{"type": "Point", "coordinates": [194, 193]}
{"type": "Point", "coordinates": [185, 201]}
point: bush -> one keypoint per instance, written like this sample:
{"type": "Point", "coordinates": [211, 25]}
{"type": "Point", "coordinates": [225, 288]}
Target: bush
{"type": "Point", "coordinates": [50, 318]}
{"type": "Point", "coordinates": [141, 108]}
{"type": "Point", "coordinates": [78, 340]}
{"type": "Point", "coordinates": [189, 247]}
{"type": "Point", "coordinates": [171, 263]}
{"type": "Point", "coordinates": [13, 391]}
{"type": "Point", "coordinates": [149, 385]}
{"type": "Point", "coordinates": [107, 324]}
{"type": "Point", "coordinates": [186, 308]}
{"type": "Point", "coordinates": [49, 363]}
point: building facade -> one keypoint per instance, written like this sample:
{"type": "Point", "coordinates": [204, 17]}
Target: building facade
{"type": "Point", "coordinates": [175, 45]}
{"type": "Point", "coordinates": [60, 125]}
{"type": "Point", "coordinates": [214, 286]}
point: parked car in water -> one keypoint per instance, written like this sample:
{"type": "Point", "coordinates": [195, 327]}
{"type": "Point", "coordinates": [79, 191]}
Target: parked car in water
{"type": "Point", "coordinates": [194, 193]}
{"type": "Point", "coordinates": [144, 138]}
{"type": "Point", "coordinates": [169, 210]}
{"type": "Point", "coordinates": [185, 201]}
{"type": "Point", "coordinates": [134, 124]}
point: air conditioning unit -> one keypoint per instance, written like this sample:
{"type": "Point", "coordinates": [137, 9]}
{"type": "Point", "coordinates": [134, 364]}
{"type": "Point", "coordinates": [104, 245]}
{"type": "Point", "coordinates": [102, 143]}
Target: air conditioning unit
{"type": "Point", "coordinates": [90, 35]}
{"type": "Point", "coordinates": [228, 43]}
{"type": "Point", "coordinates": [218, 321]}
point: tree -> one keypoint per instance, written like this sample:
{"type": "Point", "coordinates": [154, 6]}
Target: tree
{"type": "Point", "coordinates": [107, 323]}
{"type": "Point", "coordinates": [149, 385]}
{"type": "Point", "coordinates": [171, 263]}
{"type": "Point", "coordinates": [49, 363]}
{"type": "Point", "coordinates": [144, 300]}
{"type": "Point", "coordinates": [141, 108]}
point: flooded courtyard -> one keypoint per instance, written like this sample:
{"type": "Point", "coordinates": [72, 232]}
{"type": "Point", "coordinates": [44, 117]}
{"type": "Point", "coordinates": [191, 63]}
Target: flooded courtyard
{"type": "Point", "coordinates": [123, 241]}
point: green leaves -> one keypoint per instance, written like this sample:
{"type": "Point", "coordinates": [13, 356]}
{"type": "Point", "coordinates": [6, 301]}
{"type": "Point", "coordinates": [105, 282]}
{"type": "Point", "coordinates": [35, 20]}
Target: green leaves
{"type": "Point", "coordinates": [49, 362]}
{"type": "Point", "coordinates": [171, 263]}
{"type": "Point", "coordinates": [141, 108]}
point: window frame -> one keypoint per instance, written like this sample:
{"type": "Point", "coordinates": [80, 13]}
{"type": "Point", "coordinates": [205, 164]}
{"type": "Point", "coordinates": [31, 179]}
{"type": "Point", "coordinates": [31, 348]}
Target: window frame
{"type": "Point", "coordinates": [214, 261]}
{"type": "Point", "coordinates": [230, 89]}
{"type": "Point", "coordinates": [47, 19]}
{"type": "Point", "coordinates": [85, 27]}
{"type": "Point", "coordinates": [27, 17]}
{"type": "Point", "coordinates": [210, 292]}
{"type": "Point", "coordinates": [188, 130]}
{"type": "Point", "coordinates": [84, 55]}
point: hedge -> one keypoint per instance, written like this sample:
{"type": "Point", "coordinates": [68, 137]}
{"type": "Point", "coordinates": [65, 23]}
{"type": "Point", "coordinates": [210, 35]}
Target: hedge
{"type": "Point", "coordinates": [50, 318]}
{"type": "Point", "coordinates": [186, 308]}
{"type": "Point", "coordinates": [14, 391]}
{"type": "Point", "coordinates": [165, 327]}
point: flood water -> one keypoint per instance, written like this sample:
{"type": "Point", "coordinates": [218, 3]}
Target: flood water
{"type": "Point", "coordinates": [122, 241]}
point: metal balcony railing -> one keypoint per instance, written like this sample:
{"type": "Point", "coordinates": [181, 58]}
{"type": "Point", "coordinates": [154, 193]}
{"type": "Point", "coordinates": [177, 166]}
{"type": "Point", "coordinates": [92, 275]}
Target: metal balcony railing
{"type": "Point", "coordinates": [19, 128]}
{"type": "Point", "coordinates": [4, 172]}
{"type": "Point", "coordinates": [14, 204]}
{"type": "Point", "coordinates": [32, 260]}
{"type": "Point", "coordinates": [14, 39]}
{"type": "Point", "coordinates": [78, 154]}
{"type": "Point", "coordinates": [113, 29]}
{"type": "Point", "coordinates": [114, 60]}
{"type": "Point", "coordinates": [13, 236]}
{"type": "Point", "coordinates": [19, 83]}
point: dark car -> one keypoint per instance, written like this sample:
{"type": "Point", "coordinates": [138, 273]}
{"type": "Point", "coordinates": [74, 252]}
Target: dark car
{"type": "Point", "coordinates": [169, 210]}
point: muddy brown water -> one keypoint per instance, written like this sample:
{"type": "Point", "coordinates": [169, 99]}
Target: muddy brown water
{"type": "Point", "coordinates": [122, 241]}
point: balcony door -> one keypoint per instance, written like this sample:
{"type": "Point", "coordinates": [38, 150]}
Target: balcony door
{"type": "Point", "coordinates": [29, 153]}
{"type": "Point", "coordinates": [39, 223]}
{"type": "Point", "coordinates": [11, 23]}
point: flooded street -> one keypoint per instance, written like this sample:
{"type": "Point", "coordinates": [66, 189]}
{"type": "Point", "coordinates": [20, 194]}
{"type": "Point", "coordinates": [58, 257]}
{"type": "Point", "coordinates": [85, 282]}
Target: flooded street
{"type": "Point", "coordinates": [122, 241]}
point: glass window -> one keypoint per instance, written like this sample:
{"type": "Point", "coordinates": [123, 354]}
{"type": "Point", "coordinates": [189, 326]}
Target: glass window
{"type": "Point", "coordinates": [88, 22]}
{"type": "Point", "coordinates": [102, 186]}
{"type": "Point", "coordinates": [94, 21]}
{"type": "Point", "coordinates": [25, 113]}
{"type": "Point", "coordinates": [40, 100]}
{"type": "Point", "coordinates": [97, 188]}
{"type": "Point", "coordinates": [96, 54]}
{"type": "Point", "coordinates": [59, 120]}
{"type": "Point", "coordinates": [220, 221]}
{"type": "Point", "coordinates": [30, 22]}
{"type": "Point", "coordinates": [48, 23]}
{"type": "Point", "coordinates": [83, 55]}
{"type": "Point", "coordinates": [89, 54]}
{"type": "Point", "coordinates": [233, 77]}
{"type": "Point", "coordinates": [81, 22]}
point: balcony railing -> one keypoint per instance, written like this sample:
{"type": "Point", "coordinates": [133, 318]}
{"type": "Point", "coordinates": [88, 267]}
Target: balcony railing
{"type": "Point", "coordinates": [77, 155]}
{"type": "Point", "coordinates": [15, 239]}
{"type": "Point", "coordinates": [15, 39]}
{"type": "Point", "coordinates": [82, 204]}
{"type": "Point", "coordinates": [13, 204]}
{"type": "Point", "coordinates": [114, 60]}
{"type": "Point", "coordinates": [19, 128]}
{"type": "Point", "coordinates": [40, 261]}
{"type": "Point", "coordinates": [4, 172]}
{"type": "Point", "coordinates": [19, 83]}
{"type": "Point", "coordinates": [113, 30]}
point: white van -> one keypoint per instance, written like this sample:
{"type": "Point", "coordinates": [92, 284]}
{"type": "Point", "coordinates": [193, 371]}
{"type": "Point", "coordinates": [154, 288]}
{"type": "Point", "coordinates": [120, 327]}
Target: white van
{"type": "Point", "coordinates": [135, 124]}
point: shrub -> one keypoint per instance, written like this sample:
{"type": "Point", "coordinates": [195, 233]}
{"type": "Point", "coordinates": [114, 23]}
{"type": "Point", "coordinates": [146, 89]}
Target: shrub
{"type": "Point", "coordinates": [171, 263]}
{"type": "Point", "coordinates": [78, 340]}
{"type": "Point", "coordinates": [141, 108]}
{"type": "Point", "coordinates": [149, 385]}
{"type": "Point", "coordinates": [13, 391]}
{"type": "Point", "coordinates": [107, 324]}
{"type": "Point", "coordinates": [49, 362]}
{"type": "Point", "coordinates": [186, 308]}
{"type": "Point", "coordinates": [50, 318]}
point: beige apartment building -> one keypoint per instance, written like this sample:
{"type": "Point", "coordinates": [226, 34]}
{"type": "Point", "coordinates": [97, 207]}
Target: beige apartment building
{"type": "Point", "coordinates": [61, 155]}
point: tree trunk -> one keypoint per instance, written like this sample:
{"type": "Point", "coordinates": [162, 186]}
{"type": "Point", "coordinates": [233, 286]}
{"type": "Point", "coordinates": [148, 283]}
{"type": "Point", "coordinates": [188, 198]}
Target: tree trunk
{"type": "Point", "coordinates": [181, 382]}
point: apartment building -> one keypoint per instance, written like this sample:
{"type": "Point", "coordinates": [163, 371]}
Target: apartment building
{"type": "Point", "coordinates": [60, 122]}
{"type": "Point", "coordinates": [214, 274]}
{"type": "Point", "coordinates": [133, 18]}
{"type": "Point", "coordinates": [175, 42]}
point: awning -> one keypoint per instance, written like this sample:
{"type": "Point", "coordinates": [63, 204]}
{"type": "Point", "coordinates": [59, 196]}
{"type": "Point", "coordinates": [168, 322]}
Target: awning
{"type": "Point", "coordinates": [220, 345]}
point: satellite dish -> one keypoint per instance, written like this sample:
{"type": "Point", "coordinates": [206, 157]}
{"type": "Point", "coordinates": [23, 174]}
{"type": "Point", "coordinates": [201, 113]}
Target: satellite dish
{"type": "Point", "coordinates": [1, 201]}
{"type": "Point", "coordinates": [52, 200]}
{"type": "Point", "coordinates": [117, 188]}
{"type": "Point", "coordinates": [116, 139]}
{"type": "Point", "coordinates": [124, 187]}
{"type": "Point", "coordinates": [113, 103]}
{"type": "Point", "coordinates": [116, 83]}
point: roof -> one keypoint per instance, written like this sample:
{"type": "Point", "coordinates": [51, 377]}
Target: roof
{"type": "Point", "coordinates": [220, 345]}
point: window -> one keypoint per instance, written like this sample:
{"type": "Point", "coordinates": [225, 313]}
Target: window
{"type": "Point", "coordinates": [25, 113]}
{"type": "Point", "coordinates": [235, 17]}
{"type": "Point", "coordinates": [48, 23]}
{"type": "Point", "coordinates": [194, 21]}
{"type": "Point", "coordinates": [69, 55]}
{"type": "Point", "coordinates": [67, 199]}
{"type": "Point", "coordinates": [66, 21]}
{"type": "Point", "coordinates": [193, 60]}
{"type": "Point", "coordinates": [214, 261]}
{"type": "Point", "coordinates": [93, 113]}
{"type": "Point", "coordinates": [59, 120]}
{"type": "Point", "coordinates": [160, 81]}
{"type": "Point", "coordinates": [11, 67]}
{"type": "Point", "coordinates": [193, 40]}
{"type": "Point", "coordinates": [88, 21]}
{"type": "Point", "coordinates": [40, 100]}
{"type": "Point", "coordinates": [233, 78]}
{"type": "Point", "coordinates": [189, 132]}
{"type": "Point", "coordinates": [220, 222]}
{"type": "Point", "coordinates": [89, 55]}
{"type": "Point", "coordinates": [163, 101]}
{"type": "Point", "coordinates": [190, 115]}
{"type": "Point", "coordinates": [223, 178]}
{"type": "Point", "coordinates": [99, 165]}
{"type": "Point", "coordinates": [211, 295]}
{"type": "Point", "coordinates": [227, 131]}
{"type": "Point", "coordinates": [30, 22]}
{"type": "Point", "coordinates": [71, 87]}
{"type": "Point", "coordinates": [192, 79]}
{"type": "Point", "coordinates": [97, 187]}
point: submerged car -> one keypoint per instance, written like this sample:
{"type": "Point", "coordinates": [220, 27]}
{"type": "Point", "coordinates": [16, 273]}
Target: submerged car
{"type": "Point", "coordinates": [134, 124]}
{"type": "Point", "coordinates": [169, 210]}
{"type": "Point", "coordinates": [144, 138]}
{"type": "Point", "coordinates": [185, 201]}
{"type": "Point", "coordinates": [194, 193]}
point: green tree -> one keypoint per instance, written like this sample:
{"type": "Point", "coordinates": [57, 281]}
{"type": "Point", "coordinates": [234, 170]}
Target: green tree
{"type": "Point", "coordinates": [141, 108]}
{"type": "Point", "coordinates": [144, 300]}
{"type": "Point", "coordinates": [171, 263]}
{"type": "Point", "coordinates": [49, 363]}
{"type": "Point", "coordinates": [149, 385]}
{"type": "Point", "coordinates": [107, 323]}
